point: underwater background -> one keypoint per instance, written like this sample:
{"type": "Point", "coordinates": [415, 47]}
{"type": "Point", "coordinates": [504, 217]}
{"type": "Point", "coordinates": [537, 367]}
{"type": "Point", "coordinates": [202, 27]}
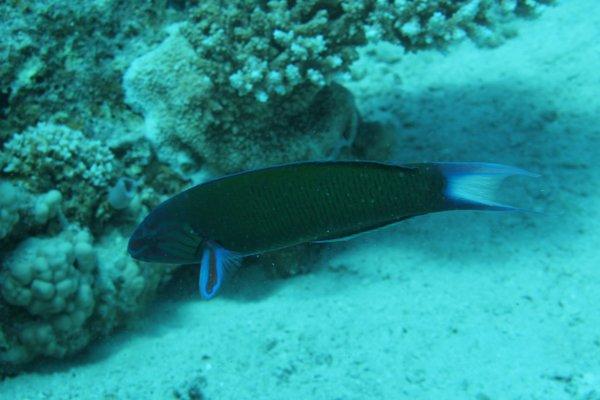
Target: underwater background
{"type": "Point", "coordinates": [108, 108]}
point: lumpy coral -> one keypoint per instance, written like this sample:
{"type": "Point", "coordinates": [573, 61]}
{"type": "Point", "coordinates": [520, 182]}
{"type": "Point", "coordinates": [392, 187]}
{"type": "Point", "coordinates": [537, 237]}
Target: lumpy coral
{"type": "Point", "coordinates": [66, 204]}
{"type": "Point", "coordinates": [11, 202]}
{"type": "Point", "coordinates": [51, 279]}
{"type": "Point", "coordinates": [23, 213]}
{"type": "Point", "coordinates": [63, 291]}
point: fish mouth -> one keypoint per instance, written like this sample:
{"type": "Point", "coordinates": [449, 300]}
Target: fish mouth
{"type": "Point", "coordinates": [136, 247]}
{"type": "Point", "coordinates": [154, 248]}
{"type": "Point", "coordinates": [140, 244]}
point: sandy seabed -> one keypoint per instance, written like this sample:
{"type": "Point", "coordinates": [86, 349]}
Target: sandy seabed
{"type": "Point", "coordinates": [464, 305]}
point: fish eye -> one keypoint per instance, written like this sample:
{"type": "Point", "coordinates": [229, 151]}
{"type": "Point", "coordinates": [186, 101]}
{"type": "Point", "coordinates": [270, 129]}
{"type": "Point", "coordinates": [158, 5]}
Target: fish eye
{"type": "Point", "coordinates": [150, 225]}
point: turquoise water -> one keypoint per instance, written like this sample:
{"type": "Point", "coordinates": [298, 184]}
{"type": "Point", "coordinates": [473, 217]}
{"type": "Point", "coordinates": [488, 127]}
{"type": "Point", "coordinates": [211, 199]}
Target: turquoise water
{"type": "Point", "coordinates": [99, 124]}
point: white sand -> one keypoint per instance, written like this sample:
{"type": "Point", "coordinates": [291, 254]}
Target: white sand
{"type": "Point", "coordinates": [457, 306]}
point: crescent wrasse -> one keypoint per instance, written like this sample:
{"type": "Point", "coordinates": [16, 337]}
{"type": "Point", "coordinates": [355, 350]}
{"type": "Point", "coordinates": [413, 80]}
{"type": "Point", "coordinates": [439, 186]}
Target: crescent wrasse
{"type": "Point", "coordinates": [218, 222]}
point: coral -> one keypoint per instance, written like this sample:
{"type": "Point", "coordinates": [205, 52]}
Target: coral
{"type": "Point", "coordinates": [194, 118]}
{"type": "Point", "coordinates": [239, 98]}
{"type": "Point", "coordinates": [64, 59]}
{"type": "Point", "coordinates": [236, 85]}
{"type": "Point", "coordinates": [60, 288]}
{"type": "Point", "coordinates": [123, 285]}
{"type": "Point", "coordinates": [54, 171]}
{"type": "Point", "coordinates": [11, 200]}
{"type": "Point", "coordinates": [48, 282]}
{"type": "Point", "coordinates": [22, 213]}
{"type": "Point", "coordinates": [50, 154]}
{"type": "Point", "coordinates": [55, 157]}
{"type": "Point", "coordinates": [270, 50]}
{"type": "Point", "coordinates": [61, 292]}
{"type": "Point", "coordinates": [41, 276]}
{"type": "Point", "coordinates": [435, 23]}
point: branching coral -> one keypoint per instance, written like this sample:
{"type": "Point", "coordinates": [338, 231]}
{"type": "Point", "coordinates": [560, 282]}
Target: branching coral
{"type": "Point", "coordinates": [54, 157]}
{"type": "Point", "coordinates": [191, 106]}
{"type": "Point", "coordinates": [435, 23]}
{"type": "Point", "coordinates": [51, 157]}
{"type": "Point", "coordinates": [237, 83]}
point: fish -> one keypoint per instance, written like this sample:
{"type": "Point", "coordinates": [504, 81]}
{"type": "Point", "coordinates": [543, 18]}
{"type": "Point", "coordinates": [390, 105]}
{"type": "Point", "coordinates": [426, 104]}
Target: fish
{"type": "Point", "coordinates": [218, 222]}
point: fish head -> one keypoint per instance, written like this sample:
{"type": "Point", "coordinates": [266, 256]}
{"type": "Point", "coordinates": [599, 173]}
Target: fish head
{"type": "Point", "coordinates": [165, 236]}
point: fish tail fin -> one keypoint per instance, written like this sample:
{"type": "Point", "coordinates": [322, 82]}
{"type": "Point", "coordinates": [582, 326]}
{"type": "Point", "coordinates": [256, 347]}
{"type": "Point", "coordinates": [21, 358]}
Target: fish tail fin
{"type": "Point", "coordinates": [472, 185]}
{"type": "Point", "coordinates": [216, 265]}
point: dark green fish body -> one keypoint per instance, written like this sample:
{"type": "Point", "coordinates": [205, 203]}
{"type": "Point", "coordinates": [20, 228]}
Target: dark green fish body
{"type": "Point", "coordinates": [273, 208]}
{"type": "Point", "coordinates": [263, 210]}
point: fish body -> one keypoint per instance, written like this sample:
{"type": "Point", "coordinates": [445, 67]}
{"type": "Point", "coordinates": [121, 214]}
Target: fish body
{"type": "Point", "coordinates": [218, 222]}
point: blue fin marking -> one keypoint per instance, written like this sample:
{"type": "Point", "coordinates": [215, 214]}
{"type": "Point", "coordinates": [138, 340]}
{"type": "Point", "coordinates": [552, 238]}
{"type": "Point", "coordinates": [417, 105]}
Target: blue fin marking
{"type": "Point", "coordinates": [215, 266]}
{"type": "Point", "coordinates": [473, 184]}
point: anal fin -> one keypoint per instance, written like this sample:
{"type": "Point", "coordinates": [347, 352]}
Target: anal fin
{"type": "Point", "coordinates": [217, 263]}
